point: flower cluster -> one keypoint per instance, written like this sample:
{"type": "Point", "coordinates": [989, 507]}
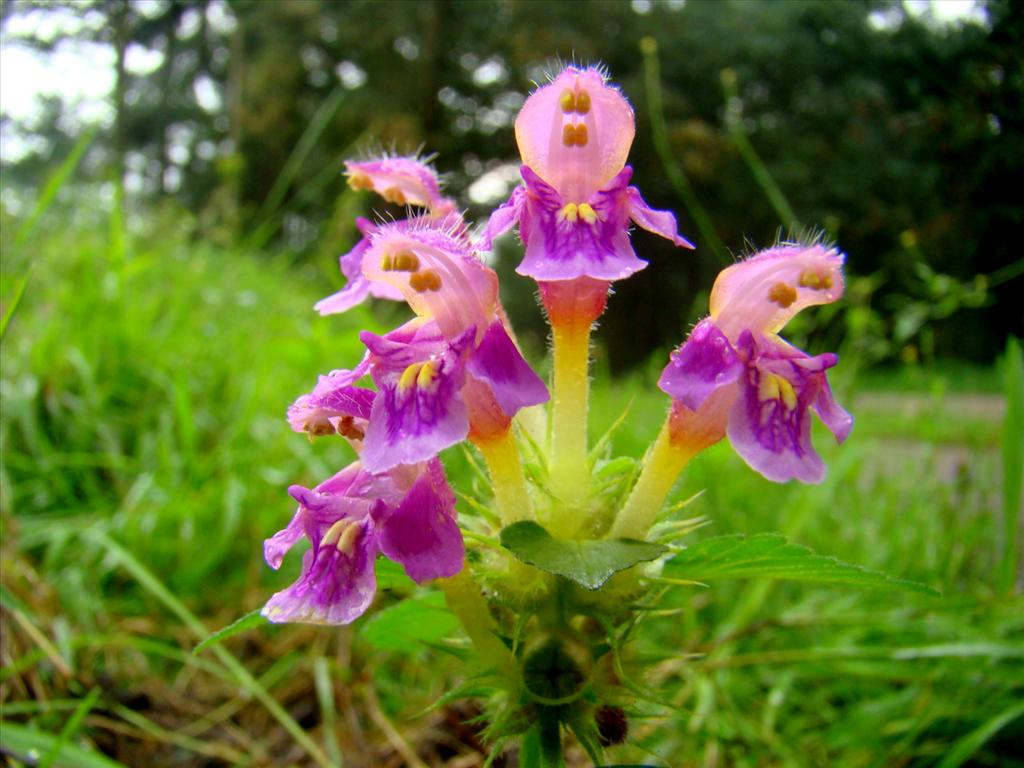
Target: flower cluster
{"type": "Point", "coordinates": [541, 623]}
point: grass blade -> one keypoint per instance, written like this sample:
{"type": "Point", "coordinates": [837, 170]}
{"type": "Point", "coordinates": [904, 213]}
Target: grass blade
{"type": "Point", "coordinates": [53, 185]}
{"type": "Point", "coordinates": [965, 747]}
{"type": "Point", "coordinates": [70, 728]}
{"type": "Point", "coordinates": [328, 711]}
{"type": "Point", "coordinates": [251, 620]}
{"type": "Point", "coordinates": [1013, 465]}
{"type": "Point", "coordinates": [12, 305]}
{"type": "Point", "coordinates": [682, 186]}
{"type": "Point", "coordinates": [23, 742]}
{"type": "Point", "coordinates": [155, 587]}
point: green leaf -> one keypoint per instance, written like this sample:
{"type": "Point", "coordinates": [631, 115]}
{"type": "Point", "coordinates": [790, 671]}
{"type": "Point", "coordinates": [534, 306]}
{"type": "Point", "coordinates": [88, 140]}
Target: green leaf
{"type": "Point", "coordinates": [390, 575]}
{"type": "Point", "coordinates": [404, 626]}
{"type": "Point", "coordinates": [588, 563]}
{"type": "Point", "coordinates": [249, 621]}
{"type": "Point", "coordinates": [24, 743]}
{"type": "Point", "coordinates": [770, 556]}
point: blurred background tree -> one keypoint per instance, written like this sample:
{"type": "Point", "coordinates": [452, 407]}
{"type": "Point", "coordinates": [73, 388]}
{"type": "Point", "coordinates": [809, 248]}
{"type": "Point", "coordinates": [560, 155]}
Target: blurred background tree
{"type": "Point", "coordinates": [895, 133]}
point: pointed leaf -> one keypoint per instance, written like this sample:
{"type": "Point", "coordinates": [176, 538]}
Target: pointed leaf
{"type": "Point", "coordinates": [770, 556]}
{"type": "Point", "coordinates": [588, 563]}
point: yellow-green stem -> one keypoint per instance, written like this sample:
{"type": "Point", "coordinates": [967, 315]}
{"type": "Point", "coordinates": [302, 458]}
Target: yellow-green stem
{"type": "Point", "coordinates": [469, 606]}
{"type": "Point", "coordinates": [662, 466]}
{"type": "Point", "coordinates": [509, 483]}
{"type": "Point", "coordinates": [571, 390]}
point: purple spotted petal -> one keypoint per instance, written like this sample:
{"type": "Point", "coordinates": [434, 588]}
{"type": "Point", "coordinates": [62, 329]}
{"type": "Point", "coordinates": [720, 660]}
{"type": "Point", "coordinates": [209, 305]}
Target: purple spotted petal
{"type": "Point", "coordinates": [337, 583]}
{"type": "Point", "coordinates": [705, 363]}
{"type": "Point", "coordinates": [422, 534]}
{"type": "Point", "coordinates": [661, 223]}
{"type": "Point", "coordinates": [418, 411]}
{"type": "Point", "coordinates": [498, 362]}
{"type": "Point", "coordinates": [334, 405]}
{"type": "Point", "coordinates": [564, 240]}
{"type": "Point", "coordinates": [770, 423]}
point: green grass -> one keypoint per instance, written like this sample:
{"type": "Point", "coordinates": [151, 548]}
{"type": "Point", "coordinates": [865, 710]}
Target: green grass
{"type": "Point", "coordinates": [145, 457]}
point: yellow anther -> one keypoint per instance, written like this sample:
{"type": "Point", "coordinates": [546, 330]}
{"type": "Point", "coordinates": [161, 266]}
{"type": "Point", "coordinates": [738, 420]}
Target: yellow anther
{"type": "Point", "coordinates": [335, 532]}
{"type": "Point", "coordinates": [394, 195]}
{"type": "Point", "coordinates": [425, 280]}
{"type": "Point", "coordinates": [408, 378]}
{"type": "Point", "coordinates": [567, 101]}
{"type": "Point", "coordinates": [787, 392]}
{"type": "Point", "coordinates": [574, 135]}
{"type": "Point", "coordinates": [810, 279]}
{"type": "Point", "coordinates": [768, 388]}
{"type": "Point", "coordinates": [406, 261]}
{"type": "Point", "coordinates": [826, 282]}
{"type": "Point", "coordinates": [349, 538]}
{"type": "Point", "coordinates": [427, 375]}
{"type": "Point", "coordinates": [359, 181]}
{"type": "Point", "coordinates": [386, 263]}
{"type": "Point", "coordinates": [582, 102]}
{"type": "Point", "coordinates": [782, 294]}
{"type": "Point", "coordinates": [569, 134]}
{"type": "Point", "coordinates": [587, 213]}
{"type": "Point", "coordinates": [568, 213]}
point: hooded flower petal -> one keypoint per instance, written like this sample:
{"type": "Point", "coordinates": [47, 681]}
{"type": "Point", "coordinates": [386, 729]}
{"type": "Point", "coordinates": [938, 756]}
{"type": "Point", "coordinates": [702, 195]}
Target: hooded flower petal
{"type": "Point", "coordinates": [417, 412]}
{"type": "Point", "coordinates": [704, 364]}
{"type": "Point", "coordinates": [437, 273]}
{"type": "Point", "coordinates": [575, 133]}
{"type": "Point", "coordinates": [422, 533]}
{"type": "Point", "coordinates": [763, 292]}
{"type": "Point", "coordinates": [358, 287]}
{"type": "Point", "coordinates": [399, 180]}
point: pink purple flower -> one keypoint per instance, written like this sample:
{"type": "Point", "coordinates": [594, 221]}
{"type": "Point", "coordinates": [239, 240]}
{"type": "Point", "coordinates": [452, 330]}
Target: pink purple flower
{"type": "Point", "coordinates": [576, 206]}
{"type": "Point", "coordinates": [401, 181]}
{"type": "Point", "coordinates": [454, 370]}
{"type": "Point", "coordinates": [735, 374]}
{"type": "Point", "coordinates": [335, 406]}
{"type": "Point", "coordinates": [406, 514]}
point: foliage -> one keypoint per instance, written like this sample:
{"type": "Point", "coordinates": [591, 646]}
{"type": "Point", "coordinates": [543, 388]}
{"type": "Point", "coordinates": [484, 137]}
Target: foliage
{"type": "Point", "coordinates": [772, 673]}
{"type": "Point", "coordinates": [899, 133]}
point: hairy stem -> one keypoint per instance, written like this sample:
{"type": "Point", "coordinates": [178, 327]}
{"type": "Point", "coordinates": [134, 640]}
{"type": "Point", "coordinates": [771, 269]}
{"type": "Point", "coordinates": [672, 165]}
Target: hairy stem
{"type": "Point", "coordinates": [469, 606]}
{"type": "Point", "coordinates": [662, 466]}
{"type": "Point", "coordinates": [506, 469]}
{"type": "Point", "coordinates": [570, 398]}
